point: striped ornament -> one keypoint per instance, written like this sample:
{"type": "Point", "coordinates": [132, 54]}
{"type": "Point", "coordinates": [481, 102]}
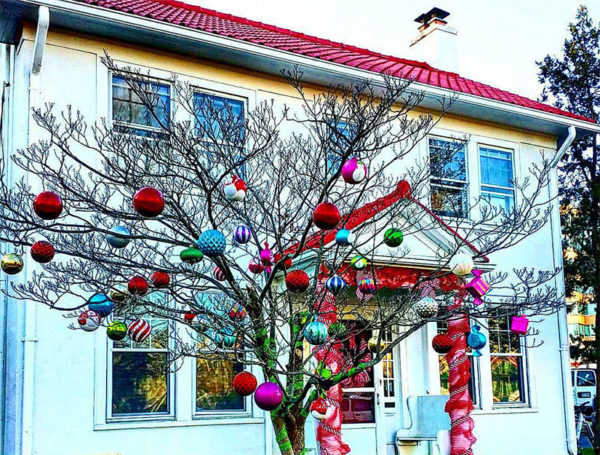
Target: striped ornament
{"type": "Point", "coordinates": [139, 330]}
{"type": "Point", "coordinates": [335, 284]}
{"type": "Point", "coordinates": [218, 274]}
{"type": "Point", "coordinates": [242, 234]}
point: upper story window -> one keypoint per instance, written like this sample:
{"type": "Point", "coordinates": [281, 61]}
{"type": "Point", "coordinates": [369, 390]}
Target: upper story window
{"type": "Point", "coordinates": [139, 379]}
{"type": "Point", "coordinates": [341, 134]}
{"type": "Point", "coordinates": [507, 360]}
{"type": "Point", "coordinates": [497, 177]}
{"type": "Point", "coordinates": [218, 118]}
{"type": "Point", "coordinates": [131, 114]}
{"type": "Point", "coordinates": [448, 170]}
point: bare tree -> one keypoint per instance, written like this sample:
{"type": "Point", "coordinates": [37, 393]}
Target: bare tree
{"type": "Point", "coordinates": [291, 161]}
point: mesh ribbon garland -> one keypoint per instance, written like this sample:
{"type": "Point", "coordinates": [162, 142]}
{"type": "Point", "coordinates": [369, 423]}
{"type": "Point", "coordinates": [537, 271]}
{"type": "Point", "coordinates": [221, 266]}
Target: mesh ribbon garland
{"type": "Point", "coordinates": [329, 434]}
{"type": "Point", "coordinates": [459, 406]}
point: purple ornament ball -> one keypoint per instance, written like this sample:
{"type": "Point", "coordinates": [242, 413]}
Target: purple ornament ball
{"type": "Point", "coordinates": [268, 396]}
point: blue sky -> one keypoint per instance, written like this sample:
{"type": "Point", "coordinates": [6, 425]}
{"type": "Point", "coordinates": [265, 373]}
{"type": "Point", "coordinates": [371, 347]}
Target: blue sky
{"type": "Point", "coordinates": [499, 41]}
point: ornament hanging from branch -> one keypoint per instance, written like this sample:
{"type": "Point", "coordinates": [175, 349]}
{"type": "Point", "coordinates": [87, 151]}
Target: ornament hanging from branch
{"type": "Point", "coordinates": [519, 325]}
{"type": "Point", "coordinates": [11, 263]}
{"type": "Point", "coordinates": [242, 234]}
{"type": "Point", "coordinates": [461, 264]}
{"type": "Point", "coordinates": [89, 320]}
{"type": "Point", "coordinates": [354, 171]}
{"type": "Point", "coordinates": [119, 237]}
{"type": "Point", "coordinates": [212, 243]}
{"type": "Point", "coordinates": [160, 279]}
{"type": "Point", "coordinates": [48, 205]}
{"type": "Point", "coordinates": [268, 396]}
{"type": "Point", "coordinates": [326, 216]}
{"type": "Point", "coordinates": [335, 284]}
{"type": "Point", "coordinates": [42, 252]}
{"type": "Point", "coordinates": [191, 255]}
{"type": "Point", "coordinates": [297, 281]}
{"type": "Point", "coordinates": [244, 383]}
{"type": "Point", "coordinates": [476, 340]}
{"type": "Point", "coordinates": [101, 304]}
{"type": "Point", "coordinates": [235, 189]}
{"type": "Point", "coordinates": [116, 330]}
{"type": "Point", "coordinates": [477, 287]}
{"type": "Point", "coordinates": [137, 285]}
{"type": "Point", "coordinates": [139, 330]}
{"type": "Point", "coordinates": [442, 343]}
{"type": "Point", "coordinates": [393, 237]}
{"type": "Point", "coordinates": [149, 202]}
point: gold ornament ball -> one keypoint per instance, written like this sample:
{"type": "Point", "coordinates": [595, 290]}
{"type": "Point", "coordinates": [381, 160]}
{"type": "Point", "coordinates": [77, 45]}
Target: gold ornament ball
{"type": "Point", "coordinates": [11, 263]}
{"type": "Point", "coordinates": [373, 346]}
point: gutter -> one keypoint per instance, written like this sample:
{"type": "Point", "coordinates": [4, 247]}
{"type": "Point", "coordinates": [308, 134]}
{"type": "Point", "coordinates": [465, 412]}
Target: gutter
{"type": "Point", "coordinates": [30, 335]}
{"type": "Point", "coordinates": [563, 335]}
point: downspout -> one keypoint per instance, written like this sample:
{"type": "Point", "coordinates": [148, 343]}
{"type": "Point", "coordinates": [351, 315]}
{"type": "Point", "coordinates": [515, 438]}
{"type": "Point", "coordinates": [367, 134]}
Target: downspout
{"type": "Point", "coordinates": [563, 334]}
{"type": "Point", "coordinates": [30, 335]}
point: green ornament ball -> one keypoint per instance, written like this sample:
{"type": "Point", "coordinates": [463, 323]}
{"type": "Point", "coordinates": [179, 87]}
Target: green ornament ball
{"type": "Point", "coordinates": [337, 330]}
{"type": "Point", "coordinates": [393, 237]}
{"type": "Point", "coordinates": [191, 255]}
{"type": "Point", "coordinates": [116, 330]}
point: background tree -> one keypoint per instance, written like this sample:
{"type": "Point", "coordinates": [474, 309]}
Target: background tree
{"type": "Point", "coordinates": [291, 160]}
{"type": "Point", "coordinates": [572, 82]}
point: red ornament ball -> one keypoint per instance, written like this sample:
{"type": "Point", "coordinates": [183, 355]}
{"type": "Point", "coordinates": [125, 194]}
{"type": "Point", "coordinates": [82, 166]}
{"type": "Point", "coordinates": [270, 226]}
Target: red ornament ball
{"type": "Point", "coordinates": [189, 317]}
{"type": "Point", "coordinates": [244, 383]}
{"type": "Point", "coordinates": [441, 343]}
{"type": "Point", "coordinates": [297, 281]}
{"type": "Point", "coordinates": [256, 266]}
{"type": "Point", "coordinates": [149, 202]}
{"type": "Point", "coordinates": [326, 216]}
{"type": "Point", "coordinates": [160, 279]}
{"type": "Point", "coordinates": [137, 285]}
{"type": "Point", "coordinates": [42, 252]}
{"type": "Point", "coordinates": [47, 205]}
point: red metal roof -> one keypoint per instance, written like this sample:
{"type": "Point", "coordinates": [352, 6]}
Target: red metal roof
{"type": "Point", "coordinates": [210, 21]}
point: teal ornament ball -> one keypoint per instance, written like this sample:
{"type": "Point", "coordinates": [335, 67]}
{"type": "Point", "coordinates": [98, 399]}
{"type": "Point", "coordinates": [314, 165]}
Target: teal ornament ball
{"type": "Point", "coordinates": [101, 304]}
{"type": "Point", "coordinates": [476, 340]}
{"type": "Point", "coordinates": [358, 262]}
{"type": "Point", "coordinates": [315, 333]}
{"type": "Point", "coordinates": [119, 237]}
{"type": "Point", "coordinates": [212, 243]}
{"type": "Point", "coordinates": [344, 237]}
{"type": "Point", "coordinates": [393, 237]}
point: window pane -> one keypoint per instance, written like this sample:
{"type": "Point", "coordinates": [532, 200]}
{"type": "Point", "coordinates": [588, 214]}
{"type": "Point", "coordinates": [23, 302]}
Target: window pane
{"type": "Point", "coordinates": [214, 390]}
{"type": "Point", "coordinates": [129, 108]}
{"type": "Point", "coordinates": [139, 383]}
{"type": "Point", "coordinates": [341, 135]}
{"type": "Point", "coordinates": [215, 114]}
{"type": "Point", "coordinates": [586, 378]}
{"type": "Point", "coordinates": [357, 407]}
{"type": "Point", "coordinates": [447, 159]}
{"type": "Point", "coordinates": [449, 200]}
{"type": "Point", "coordinates": [507, 379]}
{"type": "Point", "coordinates": [444, 378]}
{"type": "Point", "coordinates": [496, 167]}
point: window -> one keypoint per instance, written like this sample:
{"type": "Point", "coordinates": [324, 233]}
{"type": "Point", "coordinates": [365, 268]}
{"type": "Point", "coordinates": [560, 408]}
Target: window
{"type": "Point", "coordinates": [497, 186]}
{"type": "Point", "coordinates": [214, 383]}
{"type": "Point", "coordinates": [445, 369]}
{"type": "Point", "coordinates": [139, 379]}
{"type": "Point", "coordinates": [132, 115]}
{"type": "Point", "coordinates": [507, 361]}
{"type": "Point", "coordinates": [448, 170]}
{"type": "Point", "coordinates": [387, 365]}
{"type": "Point", "coordinates": [586, 378]}
{"type": "Point", "coordinates": [341, 135]}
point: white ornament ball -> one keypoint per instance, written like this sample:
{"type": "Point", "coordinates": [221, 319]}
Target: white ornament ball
{"type": "Point", "coordinates": [426, 308]}
{"type": "Point", "coordinates": [461, 264]}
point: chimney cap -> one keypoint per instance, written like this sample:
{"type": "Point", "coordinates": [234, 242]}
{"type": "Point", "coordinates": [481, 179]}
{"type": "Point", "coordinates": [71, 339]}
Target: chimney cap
{"type": "Point", "coordinates": [433, 13]}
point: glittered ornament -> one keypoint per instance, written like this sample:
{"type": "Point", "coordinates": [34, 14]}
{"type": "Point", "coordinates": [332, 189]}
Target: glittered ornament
{"type": "Point", "coordinates": [461, 264]}
{"type": "Point", "coordinates": [326, 216]}
{"type": "Point", "coordinates": [442, 343]}
{"type": "Point", "coordinates": [89, 320]}
{"type": "Point", "coordinates": [116, 330]}
{"type": "Point", "coordinates": [337, 330]}
{"type": "Point", "coordinates": [101, 304]}
{"type": "Point", "coordinates": [315, 333]}
{"type": "Point", "coordinates": [366, 286]}
{"type": "Point", "coordinates": [297, 281]}
{"type": "Point", "coordinates": [476, 340]}
{"type": "Point", "coordinates": [237, 312]}
{"type": "Point", "coordinates": [374, 345]}
{"type": "Point", "coordinates": [42, 252]}
{"type": "Point", "coordinates": [255, 266]}
{"type": "Point", "coordinates": [266, 255]}
{"type": "Point", "coordinates": [139, 330]}
{"type": "Point", "coordinates": [235, 189]}
{"type": "Point", "coordinates": [149, 202]}
{"type": "Point", "coordinates": [268, 396]}
{"type": "Point", "coordinates": [318, 408]}
{"type": "Point", "coordinates": [212, 243]}
{"type": "Point", "coordinates": [358, 262]}
{"type": "Point", "coordinates": [218, 274]}
{"type": "Point", "coordinates": [242, 234]}
{"type": "Point", "coordinates": [354, 171]}
{"type": "Point", "coordinates": [427, 308]}
{"type": "Point", "coordinates": [393, 237]}
{"type": "Point", "coordinates": [118, 294]}
{"type": "Point", "coordinates": [191, 255]}
{"type": "Point", "coordinates": [119, 237]}
{"type": "Point", "coordinates": [335, 284]}
{"type": "Point", "coordinates": [11, 263]}
{"type": "Point", "coordinates": [344, 237]}
{"type": "Point", "coordinates": [48, 205]}
{"type": "Point", "coordinates": [160, 279]}
{"type": "Point", "coordinates": [244, 383]}
{"type": "Point", "coordinates": [137, 285]}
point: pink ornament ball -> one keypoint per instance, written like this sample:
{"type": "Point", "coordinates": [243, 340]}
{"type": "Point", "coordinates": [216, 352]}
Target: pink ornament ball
{"type": "Point", "coordinates": [354, 171]}
{"type": "Point", "coordinates": [268, 396]}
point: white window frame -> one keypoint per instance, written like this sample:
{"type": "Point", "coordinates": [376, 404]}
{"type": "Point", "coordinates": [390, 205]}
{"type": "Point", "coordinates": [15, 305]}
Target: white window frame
{"type": "Point", "coordinates": [513, 155]}
{"type": "Point", "coordinates": [388, 337]}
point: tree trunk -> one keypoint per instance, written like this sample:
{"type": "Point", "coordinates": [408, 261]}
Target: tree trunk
{"type": "Point", "coordinates": [289, 433]}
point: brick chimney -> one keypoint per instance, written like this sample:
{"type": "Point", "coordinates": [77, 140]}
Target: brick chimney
{"type": "Point", "coordinates": [436, 43]}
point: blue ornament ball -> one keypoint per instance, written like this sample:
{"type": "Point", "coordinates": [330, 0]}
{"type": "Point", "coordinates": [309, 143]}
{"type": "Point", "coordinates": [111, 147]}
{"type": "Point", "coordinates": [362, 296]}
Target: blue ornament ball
{"type": "Point", "coordinates": [119, 238]}
{"type": "Point", "coordinates": [101, 304]}
{"type": "Point", "coordinates": [335, 284]}
{"type": "Point", "coordinates": [344, 237]}
{"type": "Point", "coordinates": [315, 333]}
{"type": "Point", "coordinates": [242, 234]}
{"type": "Point", "coordinates": [476, 340]}
{"type": "Point", "coordinates": [212, 243]}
